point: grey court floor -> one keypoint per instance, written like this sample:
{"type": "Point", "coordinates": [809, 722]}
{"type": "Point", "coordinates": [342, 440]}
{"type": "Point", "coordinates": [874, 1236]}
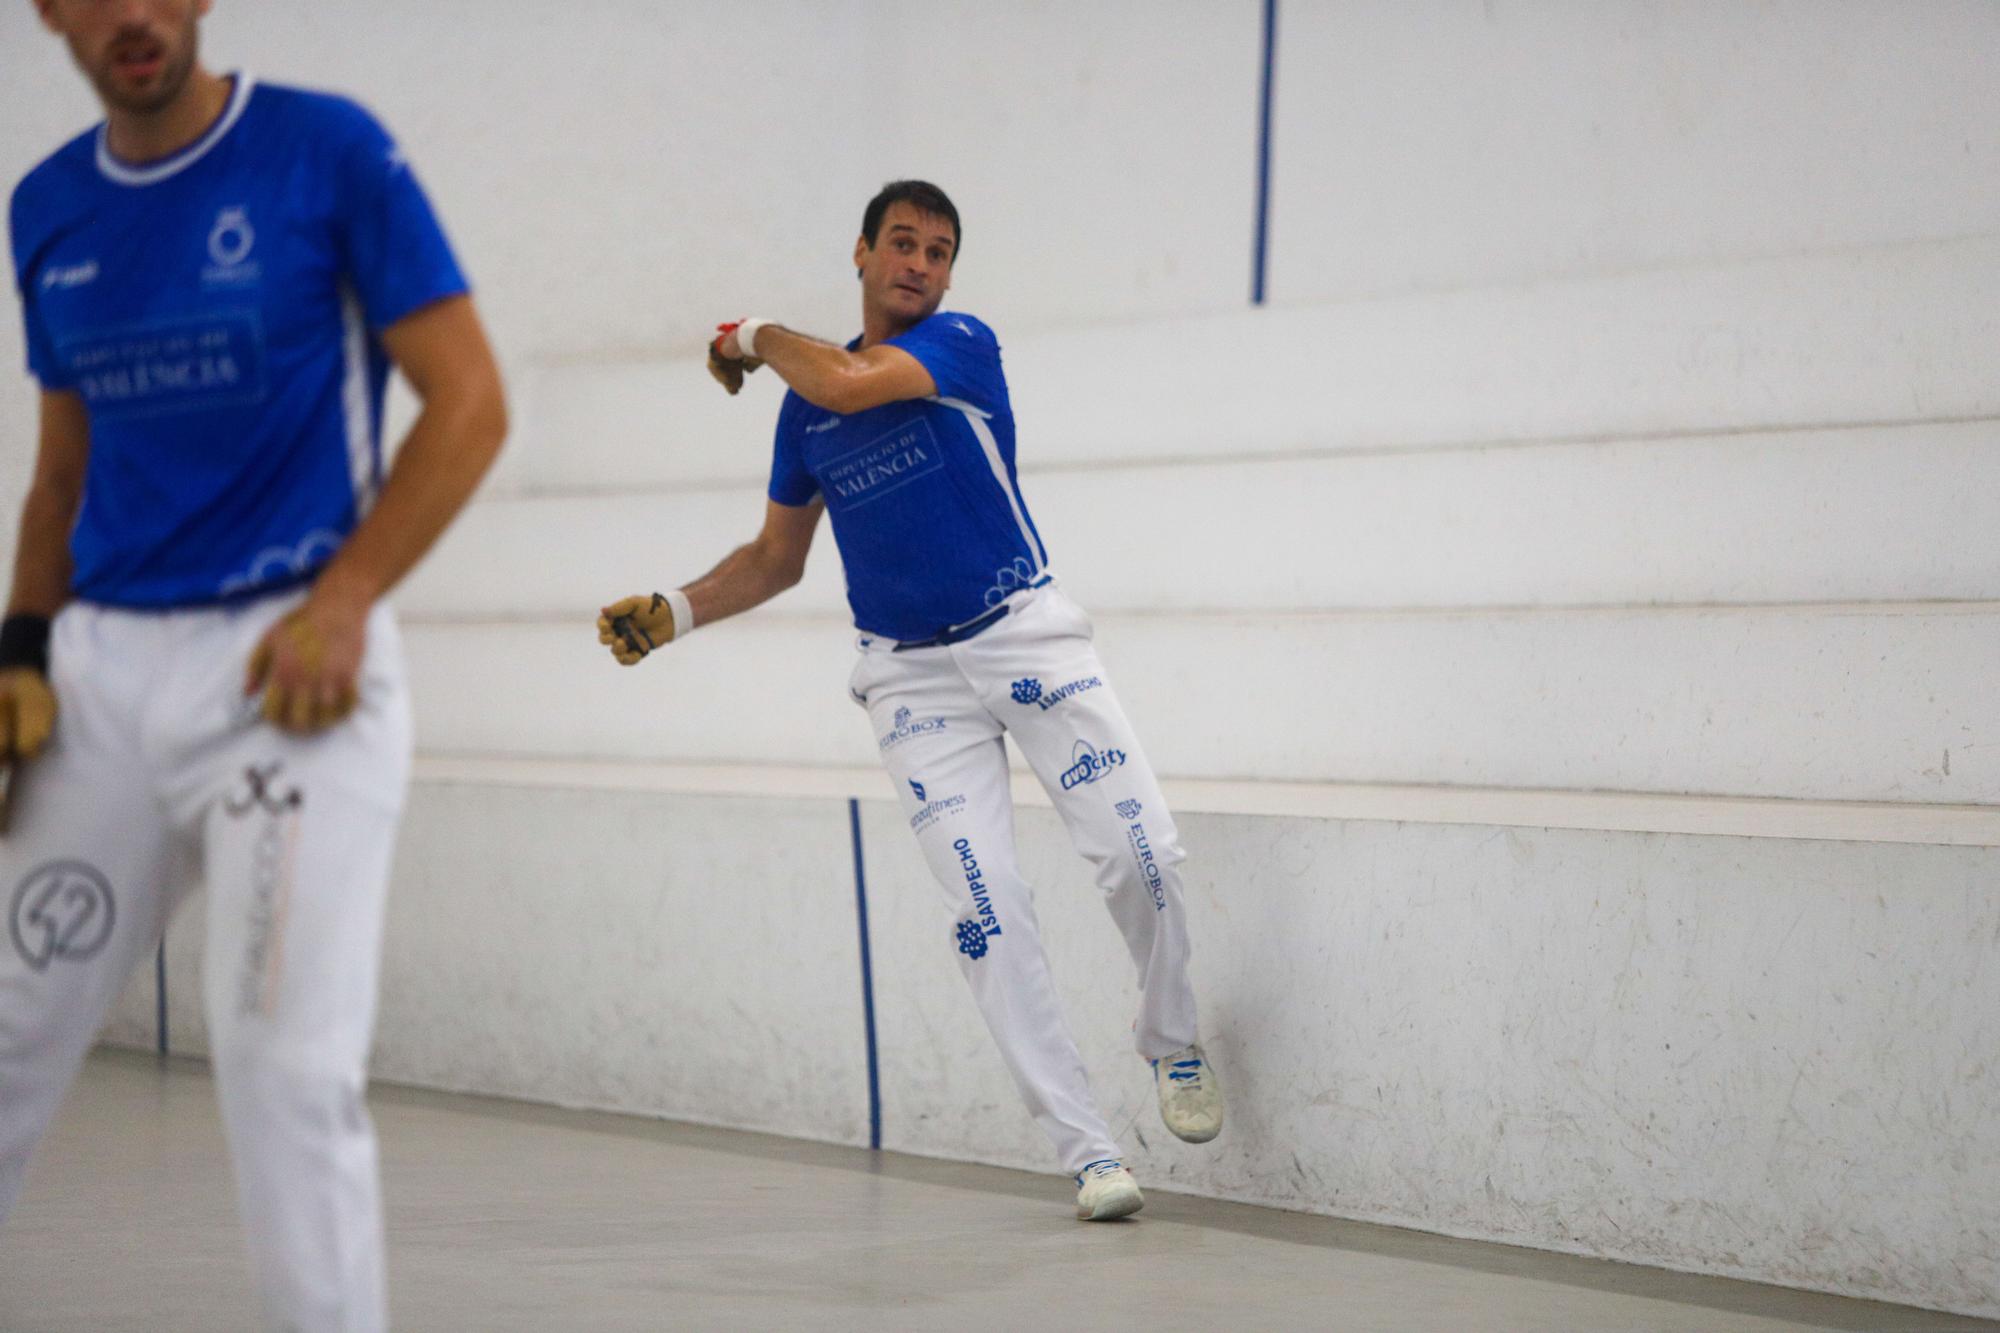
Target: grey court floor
{"type": "Point", "coordinates": [504, 1216]}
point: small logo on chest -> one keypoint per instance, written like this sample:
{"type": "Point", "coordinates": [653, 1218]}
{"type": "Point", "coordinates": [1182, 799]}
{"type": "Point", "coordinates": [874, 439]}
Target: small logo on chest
{"type": "Point", "coordinates": [64, 276]}
{"type": "Point", "coordinates": [230, 242]}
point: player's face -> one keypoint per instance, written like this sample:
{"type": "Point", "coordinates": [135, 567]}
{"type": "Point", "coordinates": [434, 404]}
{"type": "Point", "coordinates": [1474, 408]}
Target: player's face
{"type": "Point", "coordinates": [136, 53]}
{"type": "Point", "coordinates": [906, 273]}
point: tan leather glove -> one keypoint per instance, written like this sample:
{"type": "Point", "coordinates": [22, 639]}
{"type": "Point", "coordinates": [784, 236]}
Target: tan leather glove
{"type": "Point", "coordinates": [306, 668]}
{"type": "Point", "coordinates": [631, 627]}
{"type": "Point", "coordinates": [27, 713]}
{"type": "Point", "coordinates": [728, 370]}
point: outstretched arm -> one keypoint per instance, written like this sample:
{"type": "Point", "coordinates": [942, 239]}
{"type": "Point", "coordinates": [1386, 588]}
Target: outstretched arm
{"type": "Point", "coordinates": [749, 576]}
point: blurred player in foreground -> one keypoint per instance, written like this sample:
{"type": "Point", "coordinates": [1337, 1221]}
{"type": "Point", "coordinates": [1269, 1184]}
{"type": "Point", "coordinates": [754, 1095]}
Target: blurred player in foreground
{"type": "Point", "coordinates": [907, 437]}
{"type": "Point", "coordinates": [195, 658]}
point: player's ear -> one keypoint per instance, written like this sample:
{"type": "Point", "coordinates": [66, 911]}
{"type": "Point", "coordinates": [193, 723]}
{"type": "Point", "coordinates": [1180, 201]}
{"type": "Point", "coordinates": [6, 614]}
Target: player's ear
{"type": "Point", "coordinates": [47, 10]}
{"type": "Point", "coordinates": [861, 249]}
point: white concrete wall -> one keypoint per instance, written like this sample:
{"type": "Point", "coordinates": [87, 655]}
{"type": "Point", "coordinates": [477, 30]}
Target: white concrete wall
{"type": "Point", "coordinates": [1762, 1057]}
{"type": "Point", "coordinates": [1448, 143]}
{"type": "Point", "coordinates": [1729, 533]}
{"type": "Point", "coordinates": [1624, 419]}
{"type": "Point", "coordinates": [594, 171]}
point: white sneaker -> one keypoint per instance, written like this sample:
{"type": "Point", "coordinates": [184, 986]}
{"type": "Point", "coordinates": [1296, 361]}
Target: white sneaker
{"type": "Point", "coordinates": [1106, 1190]}
{"type": "Point", "coordinates": [1190, 1094]}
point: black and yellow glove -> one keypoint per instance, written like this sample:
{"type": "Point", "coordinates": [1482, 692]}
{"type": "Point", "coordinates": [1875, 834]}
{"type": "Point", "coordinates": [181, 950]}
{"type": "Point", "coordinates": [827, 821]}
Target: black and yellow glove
{"type": "Point", "coordinates": [27, 704]}
{"type": "Point", "coordinates": [631, 627]}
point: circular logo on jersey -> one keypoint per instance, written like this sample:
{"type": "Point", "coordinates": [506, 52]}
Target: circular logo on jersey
{"type": "Point", "coordinates": [230, 241]}
{"type": "Point", "coordinates": [62, 912]}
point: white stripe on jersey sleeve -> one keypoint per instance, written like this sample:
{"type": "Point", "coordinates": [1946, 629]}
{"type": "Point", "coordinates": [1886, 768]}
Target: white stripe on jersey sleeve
{"type": "Point", "coordinates": [354, 402]}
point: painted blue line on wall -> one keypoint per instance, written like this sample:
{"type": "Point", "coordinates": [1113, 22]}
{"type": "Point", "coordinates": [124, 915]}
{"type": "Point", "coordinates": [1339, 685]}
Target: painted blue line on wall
{"type": "Point", "coordinates": [160, 996]}
{"type": "Point", "coordinates": [1260, 265]}
{"type": "Point", "coordinates": [867, 977]}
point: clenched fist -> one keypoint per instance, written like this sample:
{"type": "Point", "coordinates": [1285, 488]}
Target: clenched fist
{"type": "Point", "coordinates": [27, 713]}
{"type": "Point", "coordinates": [631, 627]}
{"type": "Point", "coordinates": [726, 360]}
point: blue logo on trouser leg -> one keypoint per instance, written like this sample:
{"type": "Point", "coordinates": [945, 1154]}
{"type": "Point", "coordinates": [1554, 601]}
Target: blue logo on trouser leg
{"type": "Point", "coordinates": [972, 935]}
{"type": "Point", "coordinates": [1030, 691]}
{"type": "Point", "coordinates": [1089, 764]}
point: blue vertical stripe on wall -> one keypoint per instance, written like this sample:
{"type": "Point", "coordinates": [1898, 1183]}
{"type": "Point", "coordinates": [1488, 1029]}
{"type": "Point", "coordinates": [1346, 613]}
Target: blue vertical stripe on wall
{"type": "Point", "coordinates": [867, 976]}
{"type": "Point", "coordinates": [160, 996]}
{"type": "Point", "coordinates": [1260, 265]}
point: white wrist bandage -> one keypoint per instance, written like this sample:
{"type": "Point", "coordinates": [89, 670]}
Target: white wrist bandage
{"type": "Point", "coordinates": [677, 602]}
{"type": "Point", "coordinates": [746, 336]}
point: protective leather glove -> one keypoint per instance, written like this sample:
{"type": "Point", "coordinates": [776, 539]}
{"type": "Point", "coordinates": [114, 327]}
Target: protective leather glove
{"type": "Point", "coordinates": [27, 713]}
{"type": "Point", "coordinates": [729, 370]}
{"type": "Point", "coordinates": [307, 672]}
{"type": "Point", "coordinates": [631, 627]}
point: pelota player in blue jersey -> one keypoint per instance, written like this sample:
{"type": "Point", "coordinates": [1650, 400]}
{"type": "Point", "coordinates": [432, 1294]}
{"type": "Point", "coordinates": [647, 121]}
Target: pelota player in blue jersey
{"type": "Point", "coordinates": [196, 663]}
{"type": "Point", "coordinates": [906, 437]}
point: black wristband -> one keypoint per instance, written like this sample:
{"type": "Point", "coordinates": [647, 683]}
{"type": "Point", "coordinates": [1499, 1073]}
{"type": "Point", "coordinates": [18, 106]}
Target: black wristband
{"type": "Point", "coordinates": [24, 642]}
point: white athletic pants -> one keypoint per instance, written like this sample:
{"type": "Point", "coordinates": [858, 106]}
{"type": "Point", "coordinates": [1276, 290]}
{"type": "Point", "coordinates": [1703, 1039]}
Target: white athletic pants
{"type": "Point", "coordinates": [939, 714]}
{"type": "Point", "coordinates": [158, 762]}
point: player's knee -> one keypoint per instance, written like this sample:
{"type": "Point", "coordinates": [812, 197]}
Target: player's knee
{"type": "Point", "coordinates": [260, 1063]}
{"type": "Point", "coordinates": [1141, 855]}
{"type": "Point", "coordinates": [996, 909]}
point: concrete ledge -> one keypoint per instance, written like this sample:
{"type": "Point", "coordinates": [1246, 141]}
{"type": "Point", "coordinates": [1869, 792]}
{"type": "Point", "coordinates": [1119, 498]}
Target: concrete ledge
{"type": "Point", "coordinates": [1629, 812]}
{"type": "Point", "coordinates": [1825, 703]}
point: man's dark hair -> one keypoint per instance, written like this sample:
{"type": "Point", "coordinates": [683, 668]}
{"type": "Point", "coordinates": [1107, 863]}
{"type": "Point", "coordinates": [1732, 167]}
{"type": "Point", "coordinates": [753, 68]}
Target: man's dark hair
{"type": "Point", "coordinates": [926, 197]}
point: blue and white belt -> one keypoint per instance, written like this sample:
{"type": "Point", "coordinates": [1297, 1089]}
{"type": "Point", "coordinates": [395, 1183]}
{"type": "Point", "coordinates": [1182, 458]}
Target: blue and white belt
{"type": "Point", "coordinates": [959, 633]}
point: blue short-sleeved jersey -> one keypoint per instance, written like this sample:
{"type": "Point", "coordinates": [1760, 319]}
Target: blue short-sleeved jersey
{"type": "Point", "coordinates": [217, 312]}
{"type": "Point", "coordinates": [923, 495]}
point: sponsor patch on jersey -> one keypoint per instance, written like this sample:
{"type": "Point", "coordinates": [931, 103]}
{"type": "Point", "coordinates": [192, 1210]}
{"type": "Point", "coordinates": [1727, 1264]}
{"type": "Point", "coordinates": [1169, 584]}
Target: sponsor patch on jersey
{"type": "Point", "coordinates": [61, 276]}
{"type": "Point", "coordinates": [190, 365]}
{"type": "Point", "coordinates": [883, 465]}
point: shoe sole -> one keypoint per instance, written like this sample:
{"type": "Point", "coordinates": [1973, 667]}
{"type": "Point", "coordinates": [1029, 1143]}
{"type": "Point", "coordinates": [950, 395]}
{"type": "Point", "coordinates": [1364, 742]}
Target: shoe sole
{"type": "Point", "coordinates": [1195, 1136]}
{"type": "Point", "coordinates": [1113, 1208]}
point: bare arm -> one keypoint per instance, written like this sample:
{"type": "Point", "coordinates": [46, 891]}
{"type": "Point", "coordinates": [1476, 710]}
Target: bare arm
{"type": "Point", "coordinates": [760, 569]}
{"type": "Point", "coordinates": [442, 351]}
{"type": "Point", "coordinates": [749, 576]}
{"type": "Point", "coordinates": [41, 555]}
{"type": "Point", "coordinates": [308, 663]}
{"type": "Point", "coordinates": [834, 378]}
{"type": "Point", "coordinates": [42, 572]}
